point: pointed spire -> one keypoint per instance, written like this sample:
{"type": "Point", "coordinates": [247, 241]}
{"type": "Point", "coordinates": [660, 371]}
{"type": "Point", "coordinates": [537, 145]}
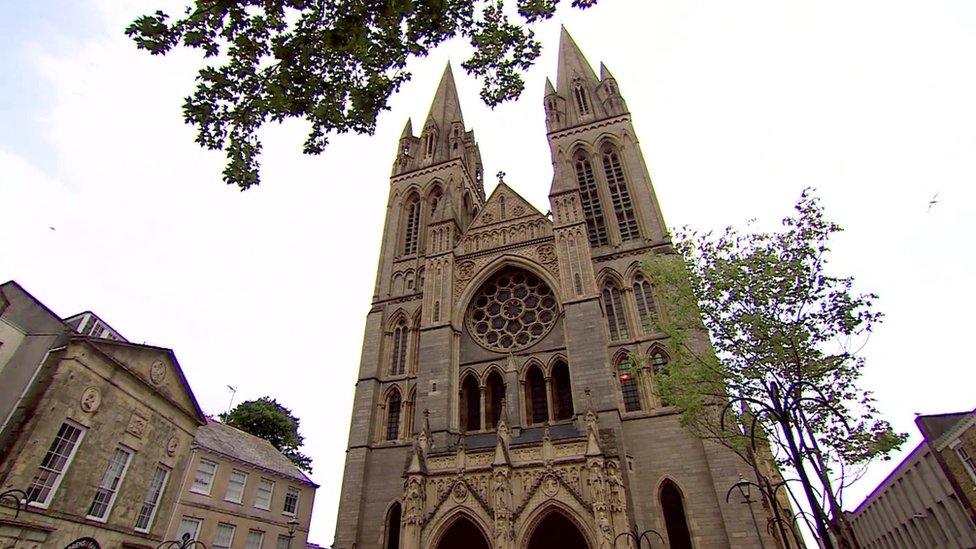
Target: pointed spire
{"type": "Point", "coordinates": [446, 107]}
{"type": "Point", "coordinates": [549, 89]}
{"type": "Point", "coordinates": [604, 72]}
{"type": "Point", "coordinates": [572, 64]}
{"type": "Point", "coordinates": [407, 129]}
{"type": "Point", "coordinates": [418, 463]}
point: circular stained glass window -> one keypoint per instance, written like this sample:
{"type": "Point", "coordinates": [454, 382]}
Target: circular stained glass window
{"type": "Point", "coordinates": [512, 310]}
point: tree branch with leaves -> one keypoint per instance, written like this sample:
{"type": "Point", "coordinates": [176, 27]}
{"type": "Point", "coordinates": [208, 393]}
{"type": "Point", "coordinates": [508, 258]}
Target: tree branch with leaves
{"type": "Point", "coordinates": [762, 332]}
{"type": "Point", "coordinates": [266, 418]}
{"type": "Point", "coordinates": [334, 63]}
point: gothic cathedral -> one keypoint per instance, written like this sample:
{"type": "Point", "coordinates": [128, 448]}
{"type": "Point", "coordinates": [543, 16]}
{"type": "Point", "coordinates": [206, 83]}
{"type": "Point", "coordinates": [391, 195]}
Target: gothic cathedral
{"type": "Point", "coordinates": [491, 408]}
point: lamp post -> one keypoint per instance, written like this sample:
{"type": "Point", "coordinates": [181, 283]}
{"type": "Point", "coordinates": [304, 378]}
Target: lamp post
{"type": "Point", "coordinates": [639, 538]}
{"type": "Point", "coordinates": [184, 542]}
{"type": "Point", "coordinates": [292, 527]}
{"type": "Point", "coordinates": [745, 490]}
{"type": "Point", "coordinates": [19, 497]}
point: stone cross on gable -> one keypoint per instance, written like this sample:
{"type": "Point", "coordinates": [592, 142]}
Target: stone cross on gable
{"type": "Point", "coordinates": [501, 176]}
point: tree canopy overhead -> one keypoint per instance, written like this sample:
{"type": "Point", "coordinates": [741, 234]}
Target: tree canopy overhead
{"type": "Point", "coordinates": [267, 419]}
{"type": "Point", "coordinates": [334, 63]}
{"type": "Point", "coordinates": [766, 343]}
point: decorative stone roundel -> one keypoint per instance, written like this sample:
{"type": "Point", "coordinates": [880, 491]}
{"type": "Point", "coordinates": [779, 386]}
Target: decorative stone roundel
{"type": "Point", "coordinates": [91, 399]}
{"type": "Point", "coordinates": [512, 310]}
{"type": "Point", "coordinates": [157, 372]}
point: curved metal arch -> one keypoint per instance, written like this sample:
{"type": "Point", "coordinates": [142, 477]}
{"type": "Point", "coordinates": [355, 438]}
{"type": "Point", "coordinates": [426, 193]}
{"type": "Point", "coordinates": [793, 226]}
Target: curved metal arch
{"type": "Point", "coordinates": [460, 512]}
{"type": "Point", "coordinates": [542, 511]}
{"type": "Point", "coordinates": [489, 270]}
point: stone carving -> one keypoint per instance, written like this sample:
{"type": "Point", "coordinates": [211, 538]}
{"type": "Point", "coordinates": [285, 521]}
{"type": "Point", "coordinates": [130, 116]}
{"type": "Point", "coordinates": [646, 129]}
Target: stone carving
{"type": "Point", "coordinates": [528, 252]}
{"type": "Point", "coordinates": [157, 372]}
{"type": "Point", "coordinates": [460, 491]}
{"type": "Point", "coordinates": [172, 446]}
{"type": "Point", "coordinates": [518, 210]}
{"type": "Point", "coordinates": [465, 270]}
{"type": "Point", "coordinates": [487, 217]}
{"type": "Point", "coordinates": [91, 399]}
{"type": "Point", "coordinates": [550, 486]}
{"type": "Point", "coordinates": [615, 486]}
{"type": "Point", "coordinates": [546, 253]}
{"type": "Point", "coordinates": [413, 500]}
{"type": "Point", "coordinates": [137, 425]}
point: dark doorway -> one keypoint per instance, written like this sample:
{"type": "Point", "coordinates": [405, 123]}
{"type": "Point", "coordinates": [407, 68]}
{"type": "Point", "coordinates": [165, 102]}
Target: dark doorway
{"type": "Point", "coordinates": [463, 534]}
{"type": "Point", "coordinates": [496, 394]}
{"type": "Point", "coordinates": [562, 394]}
{"type": "Point", "coordinates": [674, 516]}
{"type": "Point", "coordinates": [393, 527]}
{"type": "Point", "coordinates": [557, 532]}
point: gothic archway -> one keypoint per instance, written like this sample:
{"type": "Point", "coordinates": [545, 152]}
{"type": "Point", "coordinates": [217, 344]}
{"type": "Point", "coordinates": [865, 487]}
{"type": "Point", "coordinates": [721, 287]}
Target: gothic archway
{"type": "Point", "coordinates": [556, 531]}
{"type": "Point", "coordinates": [463, 534]}
{"type": "Point", "coordinates": [672, 504]}
{"type": "Point", "coordinates": [393, 527]}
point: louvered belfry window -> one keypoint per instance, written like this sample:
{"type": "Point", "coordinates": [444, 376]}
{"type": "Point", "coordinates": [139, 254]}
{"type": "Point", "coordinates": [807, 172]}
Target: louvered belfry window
{"type": "Point", "coordinates": [623, 206]}
{"type": "Point", "coordinates": [398, 364]}
{"type": "Point", "coordinates": [596, 228]}
{"type": "Point", "coordinates": [412, 227]}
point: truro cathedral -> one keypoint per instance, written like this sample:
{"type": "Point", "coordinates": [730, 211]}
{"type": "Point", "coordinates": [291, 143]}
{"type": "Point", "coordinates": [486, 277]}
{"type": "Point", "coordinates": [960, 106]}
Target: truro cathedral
{"type": "Point", "coordinates": [491, 409]}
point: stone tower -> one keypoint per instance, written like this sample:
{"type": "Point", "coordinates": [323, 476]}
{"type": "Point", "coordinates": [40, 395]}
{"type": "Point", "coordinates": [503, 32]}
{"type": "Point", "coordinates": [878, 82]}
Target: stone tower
{"type": "Point", "coordinates": [491, 408]}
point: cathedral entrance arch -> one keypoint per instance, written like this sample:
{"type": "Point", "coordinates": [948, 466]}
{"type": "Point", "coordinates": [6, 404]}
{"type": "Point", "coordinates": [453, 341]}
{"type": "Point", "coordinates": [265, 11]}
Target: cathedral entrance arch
{"type": "Point", "coordinates": [556, 531]}
{"type": "Point", "coordinates": [463, 533]}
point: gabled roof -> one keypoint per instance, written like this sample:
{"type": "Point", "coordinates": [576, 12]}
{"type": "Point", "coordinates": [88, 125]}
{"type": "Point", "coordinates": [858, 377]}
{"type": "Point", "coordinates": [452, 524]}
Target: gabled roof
{"type": "Point", "coordinates": [490, 214]}
{"type": "Point", "coordinates": [137, 359]}
{"type": "Point", "coordinates": [232, 442]}
{"type": "Point", "coordinates": [935, 427]}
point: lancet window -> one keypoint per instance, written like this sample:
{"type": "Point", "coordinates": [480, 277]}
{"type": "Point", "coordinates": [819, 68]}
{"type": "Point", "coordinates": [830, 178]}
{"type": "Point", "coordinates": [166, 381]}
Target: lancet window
{"type": "Point", "coordinates": [536, 400]}
{"type": "Point", "coordinates": [582, 102]}
{"type": "Point", "coordinates": [562, 392]}
{"type": "Point", "coordinates": [613, 308]}
{"type": "Point", "coordinates": [629, 388]}
{"type": "Point", "coordinates": [398, 360]}
{"type": "Point", "coordinates": [470, 404]}
{"type": "Point", "coordinates": [672, 505]}
{"type": "Point", "coordinates": [411, 226]}
{"type": "Point", "coordinates": [494, 398]}
{"type": "Point", "coordinates": [623, 206]}
{"type": "Point", "coordinates": [393, 405]}
{"type": "Point", "coordinates": [596, 228]}
{"type": "Point", "coordinates": [645, 303]}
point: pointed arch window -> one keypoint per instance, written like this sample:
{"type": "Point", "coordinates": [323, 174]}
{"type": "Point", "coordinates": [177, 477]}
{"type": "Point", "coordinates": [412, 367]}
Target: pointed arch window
{"type": "Point", "coordinates": [393, 404]}
{"type": "Point", "coordinates": [470, 404]}
{"type": "Point", "coordinates": [613, 307]}
{"type": "Point", "coordinates": [393, 527]}
{"type": "Point", "coordinates": [596, 228]}
{"type": "Point", "coordinates": [582, 101]}
{"type": "Point", "coordinates": [674, 516]}
{"type": "Point", "coordinates": [646, 309]}
{"type": "Point", "coordinates": [628, 385]}
{"type": "Point", "coordinates": [535, 397]}
{"type": "Point", "coordinates": [411, 228]}
{"type": "Point", "coordinates": [562, 392]}
{"type": "Point", "coordinates": [430, 142]}
{"type": "Point", "coordinates": [398, 361]}
{"type": "Point", "coordinates": [496, 396]}
{"type": "Point", "coordinates": [623, 206]}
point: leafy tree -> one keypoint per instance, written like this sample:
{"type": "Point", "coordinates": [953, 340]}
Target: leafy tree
{"type": "Point", "coordinates": [332, 62]}
{"type": "Point", "coordinates": [776, 368]}
{"type": "Point", "coordinates": [267, 419]}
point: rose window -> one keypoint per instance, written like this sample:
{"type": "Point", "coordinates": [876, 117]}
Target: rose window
{"type": "Point", "coordinates": [511, 311]}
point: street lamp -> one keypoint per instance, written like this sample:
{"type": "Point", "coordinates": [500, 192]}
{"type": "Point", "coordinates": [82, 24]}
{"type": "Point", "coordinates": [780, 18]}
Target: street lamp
{"type": "Point", "coordinates": [745, 490]}
{"type": "Point", "coordinates": [18, 496]}
{"type": "Point", "coordinates": [292, 526]}
{"type": "Point", "coordinates": [184, 542]}
{"type": "Point", "coordinates": [639, 538]}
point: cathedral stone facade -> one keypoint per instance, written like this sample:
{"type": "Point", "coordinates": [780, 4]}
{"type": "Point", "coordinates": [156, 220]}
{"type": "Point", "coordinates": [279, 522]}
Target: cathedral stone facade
{"type": "Point", "coordinates": [492, 408]}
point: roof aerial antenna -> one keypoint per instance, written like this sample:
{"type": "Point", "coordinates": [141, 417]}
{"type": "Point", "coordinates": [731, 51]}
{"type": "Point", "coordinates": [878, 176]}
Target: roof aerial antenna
{"type": "Point", "coordinates": [233, 391]}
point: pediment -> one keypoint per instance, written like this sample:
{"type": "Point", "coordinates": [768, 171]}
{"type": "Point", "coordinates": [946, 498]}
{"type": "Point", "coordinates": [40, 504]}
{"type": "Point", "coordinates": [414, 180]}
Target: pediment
{"type": "Point", "coordinates": [504, 206]}
{"type": "Point", "coordinates": [157, 367]}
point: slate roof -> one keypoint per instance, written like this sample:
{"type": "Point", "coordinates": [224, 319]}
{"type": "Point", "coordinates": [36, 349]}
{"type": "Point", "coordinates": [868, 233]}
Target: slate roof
{"type": "Point", "coordinates": [935, 425]}
{"type": "Point", "coordinates": [234, 443]}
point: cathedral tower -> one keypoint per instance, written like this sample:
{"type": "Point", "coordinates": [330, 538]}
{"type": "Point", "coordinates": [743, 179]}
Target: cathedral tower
{"type": "Point", "coordinates": [491, 408]}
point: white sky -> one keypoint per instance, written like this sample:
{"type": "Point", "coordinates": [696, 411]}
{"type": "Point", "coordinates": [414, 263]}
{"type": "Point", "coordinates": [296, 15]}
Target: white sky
{"type": "Point", "coordinates": [739, 104]}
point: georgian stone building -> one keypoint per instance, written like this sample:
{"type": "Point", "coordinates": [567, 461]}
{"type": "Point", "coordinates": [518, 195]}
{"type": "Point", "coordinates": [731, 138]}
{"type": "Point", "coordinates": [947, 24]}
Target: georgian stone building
{"type": "Point", "coordinates": [491, 408]}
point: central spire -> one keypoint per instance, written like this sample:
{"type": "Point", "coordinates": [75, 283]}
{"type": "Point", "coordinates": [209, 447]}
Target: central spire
{"type": "Point", "coordinates": [446, 107]}
{"type": "Point", "coordinates": [573, 67]}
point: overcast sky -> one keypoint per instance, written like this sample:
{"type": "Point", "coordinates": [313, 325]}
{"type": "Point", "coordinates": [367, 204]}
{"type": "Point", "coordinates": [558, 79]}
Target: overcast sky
{"type": "Point", "coordinates": [107, 204]}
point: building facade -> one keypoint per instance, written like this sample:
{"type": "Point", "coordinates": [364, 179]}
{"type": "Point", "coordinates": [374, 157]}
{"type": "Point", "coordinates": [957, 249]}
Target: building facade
{"type": "Point", "coordinates": [242, 493]}
{"type": "Point", "coordinates": [927, 500]}
{"type": "Point", "coordinates": [101, 451]}
{"type": "Point", "coordinates": [493, 406]}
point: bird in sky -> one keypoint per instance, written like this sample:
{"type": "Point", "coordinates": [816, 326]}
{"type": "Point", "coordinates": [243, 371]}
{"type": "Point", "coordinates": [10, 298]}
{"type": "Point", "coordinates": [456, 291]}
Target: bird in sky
{"type": "Point", "coordinates": [52, 228]}
{"type": "Point", "coordinates": [932, 202]}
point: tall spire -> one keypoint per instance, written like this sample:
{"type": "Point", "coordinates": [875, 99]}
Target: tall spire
{"type": "Point", "coordinates": [446, 108]}
{"type": "Point", "coordinates": [572, 66]}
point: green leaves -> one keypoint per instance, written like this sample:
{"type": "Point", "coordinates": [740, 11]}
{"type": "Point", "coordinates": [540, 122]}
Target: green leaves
{"type": "Point", "coordinates": [334, 63]}
{"type": "Point", "coordinates": [267, 419]}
